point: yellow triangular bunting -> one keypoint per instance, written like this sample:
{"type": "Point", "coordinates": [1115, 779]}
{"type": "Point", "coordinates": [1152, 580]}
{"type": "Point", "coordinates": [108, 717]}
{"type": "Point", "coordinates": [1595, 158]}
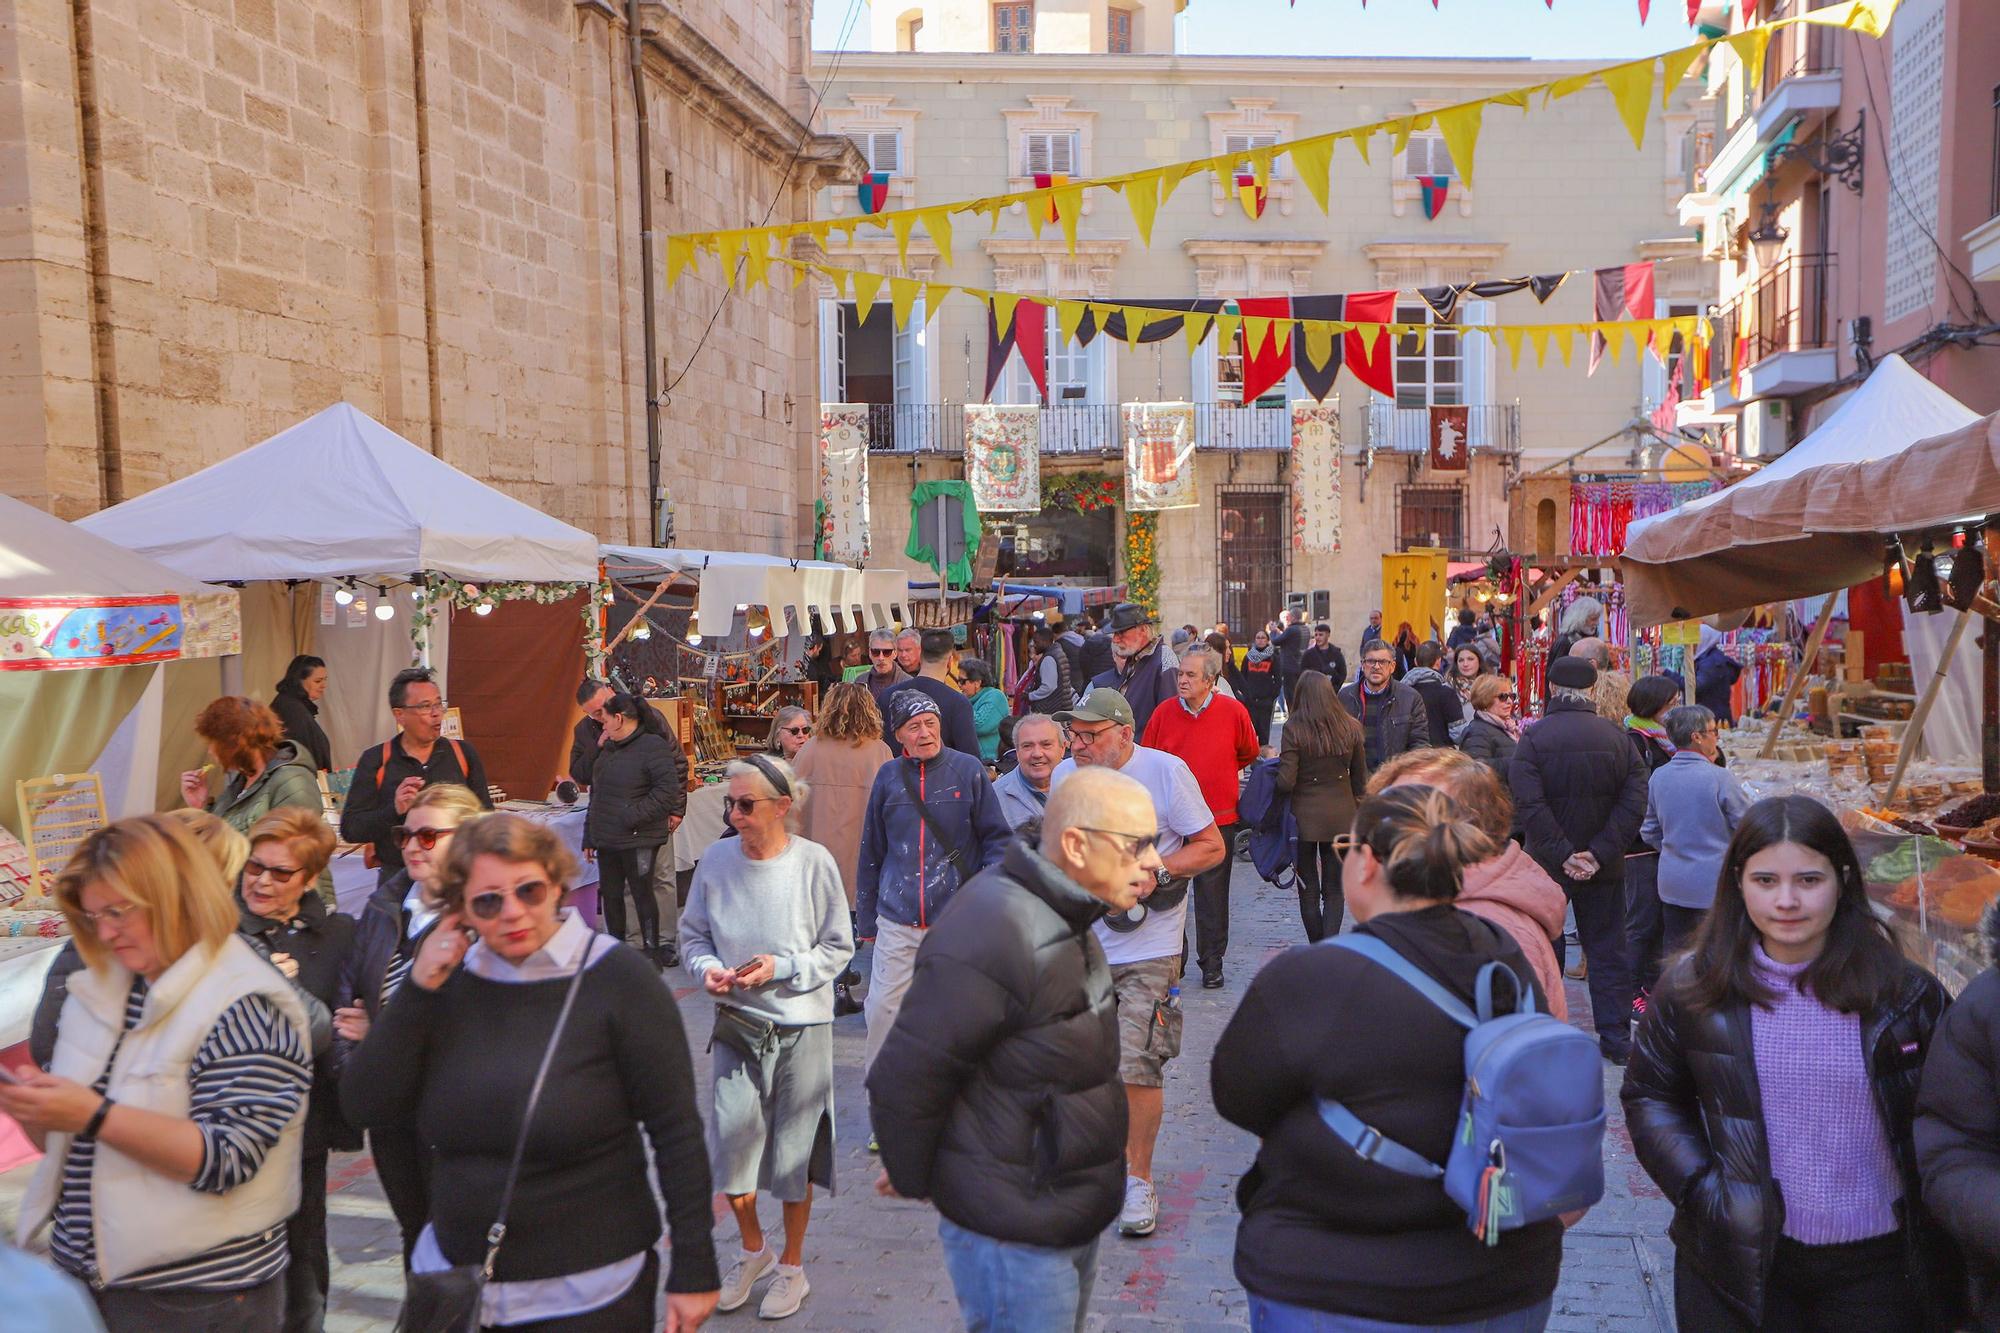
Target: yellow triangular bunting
{"type": "Point", "coordinates": [866, 286]}
{"type": "Point", "coordinates": [903, 298]}
{"type": "Point", "coordinates": [1069, 318]}
{"type": "Point", "coordinates": [1750, 46]}
{"type": "Point", "coordinates": [1142, 196]}
{"type": "Point", "coordinates": [1460, 127]}
{"type": "Point", "coordinates": [1678, 63]}
{"type": "Point", "coordinates": [1313, 160]}
{"type": "Point", "coordinates": [1632, 89]}
{"type": "Point", "coordinates": [937, 225]}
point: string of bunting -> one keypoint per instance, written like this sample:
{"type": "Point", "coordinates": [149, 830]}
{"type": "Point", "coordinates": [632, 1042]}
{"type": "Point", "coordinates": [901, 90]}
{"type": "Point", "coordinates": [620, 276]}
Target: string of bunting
{"type": "Point", "coordinates": [1645, 9]}
{"type": "Point", "coordinates": [1630, 84]}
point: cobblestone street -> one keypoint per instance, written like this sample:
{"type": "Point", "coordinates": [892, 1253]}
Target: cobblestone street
{"type": "Point", "coordinates": [874, 1264]}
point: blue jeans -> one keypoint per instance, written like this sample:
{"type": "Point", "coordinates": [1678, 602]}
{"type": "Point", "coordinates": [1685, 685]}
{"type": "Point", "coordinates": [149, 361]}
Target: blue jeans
{"type": "Point", "coordinates": [1276, 1317]}
{"type": "Point", "coordinates": [1005, 1287]}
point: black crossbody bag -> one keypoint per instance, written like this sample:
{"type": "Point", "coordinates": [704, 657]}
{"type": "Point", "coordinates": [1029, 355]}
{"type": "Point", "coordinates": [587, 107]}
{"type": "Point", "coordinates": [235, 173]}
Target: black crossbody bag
{"type": "Point", "coordinates": [952, 855]}
{"type": "Point", "coordinates": [449, 1302]}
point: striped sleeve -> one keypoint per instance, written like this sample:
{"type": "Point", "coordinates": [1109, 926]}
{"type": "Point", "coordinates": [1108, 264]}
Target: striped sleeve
{"type": "Point", "coordinates": [247, 1082]}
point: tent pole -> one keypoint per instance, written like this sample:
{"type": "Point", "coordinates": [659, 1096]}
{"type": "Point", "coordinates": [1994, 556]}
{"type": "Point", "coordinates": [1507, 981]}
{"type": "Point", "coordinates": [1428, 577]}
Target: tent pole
{"type": "Point", "coordinates": [1916, 728]}
{"type": "Point", "coordinates": [1798, 680]}
{"type": "Point", "coordinates": [1989, 703]}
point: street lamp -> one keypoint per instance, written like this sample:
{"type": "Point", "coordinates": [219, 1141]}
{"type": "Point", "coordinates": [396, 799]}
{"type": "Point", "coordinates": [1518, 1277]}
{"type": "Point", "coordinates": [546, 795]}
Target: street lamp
{"type": "Point", "coordinates": [1767, 238]}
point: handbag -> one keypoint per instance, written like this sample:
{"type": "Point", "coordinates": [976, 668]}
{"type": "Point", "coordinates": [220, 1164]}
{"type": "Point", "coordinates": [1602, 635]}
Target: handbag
{"type": "Point", "coordinates": [746, 1034]}
{"type": "Point", "coordinates": [449, 1301]}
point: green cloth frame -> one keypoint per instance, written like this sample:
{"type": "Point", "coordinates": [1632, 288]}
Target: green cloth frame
{"type": "Point", "coordinates": [958, 573]}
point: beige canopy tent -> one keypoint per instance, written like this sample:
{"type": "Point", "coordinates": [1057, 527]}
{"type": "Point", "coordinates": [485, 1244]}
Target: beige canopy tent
{"type": "Point", "coordinates": [1900, 455]}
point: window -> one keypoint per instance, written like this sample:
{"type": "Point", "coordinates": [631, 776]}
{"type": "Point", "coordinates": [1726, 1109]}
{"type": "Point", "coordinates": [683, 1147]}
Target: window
{"type": "Point", "coordinates": [1427, 156]}
{"type": "Point", "coordinates": [1229, 376]}
{"type": "Point", "coordinates": [1430, 516]}
{"type": "Point", "coordinates": [1055, 544]}
{"type": "Point", "coordinates": [883, 149]}
{"type": "Point", "coordinates": [1432, 374]}
{"type": "Point", "coordinates": [1246, 143]}
{"type": "Point", "coordinates": [1014, 28]}
{"type": "Point", "coordinates": [1120, 33]}
{"type": "Point", "coordinates": [1048, 152]}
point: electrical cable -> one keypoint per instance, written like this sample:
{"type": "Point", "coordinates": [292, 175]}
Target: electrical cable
{"type": "Point", "coordinates": [777, 196]}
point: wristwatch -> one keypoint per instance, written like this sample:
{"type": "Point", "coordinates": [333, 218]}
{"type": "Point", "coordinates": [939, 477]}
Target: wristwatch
{"type": "Point", "coordinates": [1162, 877]}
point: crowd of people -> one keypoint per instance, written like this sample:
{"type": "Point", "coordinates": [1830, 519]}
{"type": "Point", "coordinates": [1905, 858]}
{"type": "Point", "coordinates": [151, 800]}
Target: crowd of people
{"type": "Point", "coordinates": [1009, 892]}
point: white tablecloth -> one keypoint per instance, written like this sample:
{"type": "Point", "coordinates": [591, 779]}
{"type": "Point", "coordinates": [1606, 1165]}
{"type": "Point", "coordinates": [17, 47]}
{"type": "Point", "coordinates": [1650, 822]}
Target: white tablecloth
{"type": "Point", "coordinates": [353, 882]}
{"type": "Point", "coordinates": [24, 961]}
{"type": "Point", "coordinates": [704, 822]}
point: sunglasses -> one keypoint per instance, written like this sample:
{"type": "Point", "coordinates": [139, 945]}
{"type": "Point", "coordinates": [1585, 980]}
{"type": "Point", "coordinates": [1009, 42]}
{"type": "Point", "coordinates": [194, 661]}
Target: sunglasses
{"type": "Point", "coordinates": [487, 906]}
{"type": "Point", "coordinates": [881, 652]}
{"type": "Point", "coordinates": [255, 869]}
{"type": "Point", "coordinates": [1506, 698]}
{"type": "Point", "coordinates": [425, 838]}
{"type": "Point", "coordinates": [743, 805]}
{"type": "Point", "coordinates": [796, 731]}
{"type": "Point", "coordinates": [1134, 845]}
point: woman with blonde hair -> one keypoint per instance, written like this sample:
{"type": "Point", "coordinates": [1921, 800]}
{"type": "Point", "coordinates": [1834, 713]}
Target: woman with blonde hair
{"type": "Point", "coordinates": [791, 728]}
{"type": "Point", "coordinates": [184, 1053]}
{"type": "Point", "coordinates": [394, 923]}
{"type": "Point", "coordinates": [522, 1036]}
{"type": "Point", "coordinates": [1494, 731]}
{"type": "Point", "coordinates": [262, 771]}
{"type": "Point", "coordinates": [840, 762]}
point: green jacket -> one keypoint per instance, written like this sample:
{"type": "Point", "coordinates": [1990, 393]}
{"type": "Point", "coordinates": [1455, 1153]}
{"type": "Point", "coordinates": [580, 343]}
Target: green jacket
{"type": "Point", "coordinates": [290, 778]}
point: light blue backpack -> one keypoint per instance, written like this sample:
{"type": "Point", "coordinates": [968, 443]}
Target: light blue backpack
{"type": "Point", "coordinates": [1530, 1142]}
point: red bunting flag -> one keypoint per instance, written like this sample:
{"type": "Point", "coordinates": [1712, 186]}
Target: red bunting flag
{"type": "Point", "coordinates": [1265, 365]}
{"type": "Point", "coordinates": [1047, 181]}
{"type": "Point", "coordinates": [1623, 292]}
{"type": "Point", "coordinates": [1372, 359]}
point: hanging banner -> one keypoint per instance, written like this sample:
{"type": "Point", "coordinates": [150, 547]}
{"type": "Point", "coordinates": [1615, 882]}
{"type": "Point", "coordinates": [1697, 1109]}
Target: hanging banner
{"type": "Point", "coordinates": [1620, 293]}
{"type": "Point", "coordinates": [1413, 592]}
{"type": "Point", "coordinates": [1159, 457]}
{"type": "Point", "coordinates": [874, 191]}
{"type": "Point", "coordinates": [1435, 189]}
{"type": "Point", "coordinates": [48, 633]}
{"type": "Point", "coordinates": [1003, 457]}
{"type": "Point", "coordinates": [1316, 477]}
{"type": "Point", "coordinates": [1251, 195]}
{"type": "Point", "coordinates": [843, 480]}
{"type": "Point", "coordinates": [1449, 433]}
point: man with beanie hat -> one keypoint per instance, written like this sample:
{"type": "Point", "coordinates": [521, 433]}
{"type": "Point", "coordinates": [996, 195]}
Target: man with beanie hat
{"type": "Point", "coordinates": [1580, 790]}
{"type": "Point", "coordinates": [933, 822]}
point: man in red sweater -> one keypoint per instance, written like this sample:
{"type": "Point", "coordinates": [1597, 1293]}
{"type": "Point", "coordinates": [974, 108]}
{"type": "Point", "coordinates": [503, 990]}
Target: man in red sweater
{"type": "Point", "coordinates": [1212, 734]}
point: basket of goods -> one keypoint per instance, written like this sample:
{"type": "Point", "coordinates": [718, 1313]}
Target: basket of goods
{"type": "Point", "coordinates": [1962, 818]}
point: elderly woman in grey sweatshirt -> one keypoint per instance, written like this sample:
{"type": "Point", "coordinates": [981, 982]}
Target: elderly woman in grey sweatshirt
{"type": "Point", "coordinates": [1693, 805]}
{"type": "Point", "coordinates": [766, 932]}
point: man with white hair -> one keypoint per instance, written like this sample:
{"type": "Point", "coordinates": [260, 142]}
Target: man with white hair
{"type": "Point", "coordinates": [910, 652]}
{"type": "Point", "coordinates": [1144, 673]}
{"type": "Point", "coordinates": [1146, 944]}
{"type": "Point", "coordinates": [884, 674]}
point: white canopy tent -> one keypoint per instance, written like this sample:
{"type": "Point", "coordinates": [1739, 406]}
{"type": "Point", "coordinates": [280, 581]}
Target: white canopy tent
{"type": "Point", "coordinates": [728, 579]}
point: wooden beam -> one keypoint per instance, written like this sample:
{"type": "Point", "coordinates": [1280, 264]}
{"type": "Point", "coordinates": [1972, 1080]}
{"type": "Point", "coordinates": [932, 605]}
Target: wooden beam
{"type": "Point", "coordinates": [1915, 730]}
{"type": "Point", "coordinates": [1798, 680]}
{"type": "Point", "coordinates": [1550, 590]}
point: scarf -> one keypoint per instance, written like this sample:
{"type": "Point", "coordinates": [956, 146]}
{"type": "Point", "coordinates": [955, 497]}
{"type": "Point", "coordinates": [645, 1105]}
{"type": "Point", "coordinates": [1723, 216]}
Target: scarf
{"type": "Point", "coordinates": [1256, 654]}
{"type": "Point", "coordinates": [1651, 730]}
{"type": "Point", "coordinates": [1510, 725]}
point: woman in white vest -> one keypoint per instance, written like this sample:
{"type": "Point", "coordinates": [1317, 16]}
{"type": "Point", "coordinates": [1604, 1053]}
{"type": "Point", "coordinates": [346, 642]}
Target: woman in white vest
{"type": "Point", "coordinates": [173, 1113]}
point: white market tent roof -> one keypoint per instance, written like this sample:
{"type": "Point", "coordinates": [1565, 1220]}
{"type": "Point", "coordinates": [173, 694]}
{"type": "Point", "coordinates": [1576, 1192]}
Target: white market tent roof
{"type": "Point", "coordinates": [729, 579]}
{"type": "Point", "coordinates": [341, 495]}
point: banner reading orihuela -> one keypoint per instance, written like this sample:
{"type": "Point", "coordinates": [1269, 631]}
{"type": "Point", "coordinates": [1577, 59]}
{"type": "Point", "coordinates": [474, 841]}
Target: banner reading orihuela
{"type": "Point", "coordinates": [1316, 477]}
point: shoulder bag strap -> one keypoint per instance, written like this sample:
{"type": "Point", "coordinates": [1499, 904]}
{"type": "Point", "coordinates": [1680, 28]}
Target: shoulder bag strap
{"type": "Point", "coordinates": [1379, 953]}
{"type": "Point", "coordinates": [951, 852]}
{"type": "Point", "coordinates": [498, 1231]}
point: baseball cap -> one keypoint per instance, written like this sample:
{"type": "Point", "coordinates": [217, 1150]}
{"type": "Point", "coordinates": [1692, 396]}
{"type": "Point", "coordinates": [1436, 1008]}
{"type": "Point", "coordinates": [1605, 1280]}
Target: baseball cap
{"type": "Point", "coordinates": [1102, 704]}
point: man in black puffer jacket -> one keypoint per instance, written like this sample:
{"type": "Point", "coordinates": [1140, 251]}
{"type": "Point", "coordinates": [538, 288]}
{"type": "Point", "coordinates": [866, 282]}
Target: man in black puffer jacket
{"type": "Point", "coordinates": [996, 1095]}
{"type": "Point", "coordinates": [1957, 1129]}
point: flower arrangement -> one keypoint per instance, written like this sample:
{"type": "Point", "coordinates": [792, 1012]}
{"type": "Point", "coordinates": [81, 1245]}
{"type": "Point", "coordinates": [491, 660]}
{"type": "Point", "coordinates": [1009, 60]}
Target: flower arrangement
{"type": "Point", "coordinates": [1081, 492]}
{"type": "Point", "coordinates": [1088, 492]}
{"type": "Point", "coordinates": [1142, 564]}
{"type": "Point", "coordinates": [442, 590]}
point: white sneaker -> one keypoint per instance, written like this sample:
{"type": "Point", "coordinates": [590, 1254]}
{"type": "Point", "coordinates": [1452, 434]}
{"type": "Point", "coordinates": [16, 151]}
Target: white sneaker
{"type": "Point", "coordinates": [743, 1275]}
{"type": "Point", "coordinates": [785, 1295]}
{"type": "Point", "coordinates": [1142, 1208]}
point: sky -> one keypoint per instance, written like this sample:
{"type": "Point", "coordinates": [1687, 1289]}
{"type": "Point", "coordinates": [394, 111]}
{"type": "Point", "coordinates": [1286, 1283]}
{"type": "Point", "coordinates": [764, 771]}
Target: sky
{"type": "Point", "coordinates": [1571, 29]}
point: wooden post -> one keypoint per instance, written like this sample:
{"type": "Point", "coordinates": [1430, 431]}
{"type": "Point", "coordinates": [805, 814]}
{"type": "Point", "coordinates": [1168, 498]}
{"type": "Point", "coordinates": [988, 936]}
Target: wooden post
{"type": "Point", "coordinates": [1798, 680]}
{"type": "Point", "coordinates": [1989, 704]}
{"type": "Point", "coordinates": [1916, 728]}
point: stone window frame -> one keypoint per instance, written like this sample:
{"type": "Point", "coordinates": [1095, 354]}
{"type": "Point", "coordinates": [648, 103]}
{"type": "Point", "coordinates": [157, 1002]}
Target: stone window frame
{"type": "Point", "coordinates": [1248, 268]}
{"type": "Point", "coordinates": [875, 113]}
{"type": "Point", "coordinates": [1045, 268]}
{"type": "Point", "coordinates": [1048, 113]}
{"type": "Point", "coordinates": [1405, 189]}
{"type": "Point", "coordinates": [1254, 115]}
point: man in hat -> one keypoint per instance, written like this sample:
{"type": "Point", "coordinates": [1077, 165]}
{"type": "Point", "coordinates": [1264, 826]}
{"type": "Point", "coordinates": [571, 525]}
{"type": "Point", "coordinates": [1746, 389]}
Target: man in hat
{"type": "Point", "coordinates": [1144, 671]}
{"type": "Point", "coordinates": [932, 823]}
{"type": "Point", "coordinates": [1580, 790]}
{"type": "Point", "coordinates": [1145, 945]}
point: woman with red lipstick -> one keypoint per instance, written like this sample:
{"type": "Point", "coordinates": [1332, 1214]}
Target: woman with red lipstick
{"type": "Point", "coordinates": [1771, 1094]}
{"type": "Point", "coordinates": [511, 977]}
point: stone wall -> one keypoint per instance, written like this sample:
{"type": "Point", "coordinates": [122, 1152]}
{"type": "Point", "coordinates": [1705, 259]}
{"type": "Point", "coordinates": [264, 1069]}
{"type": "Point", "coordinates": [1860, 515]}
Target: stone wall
{"type": "Point", "coordinates": [222, 215]}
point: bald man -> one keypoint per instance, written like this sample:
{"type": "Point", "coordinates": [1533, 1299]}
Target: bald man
{"type": "Point", "coordinates": [1008, 1041]}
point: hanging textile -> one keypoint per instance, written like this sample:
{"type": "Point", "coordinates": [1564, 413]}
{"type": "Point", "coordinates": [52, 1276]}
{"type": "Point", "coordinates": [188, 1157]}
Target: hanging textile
{"type": "Point", "coordinates": [944, 530]}
{"type": "Point", "coordinates": [1623, 292]}
{"type": "Point", "coordinates": [1317, 355]}
{"type": "Point", "coordinates": [1159, 330]}
{"type": "Point", "coordinates": [1374, 365]}
{"type": "Point", "coordinates": [1026, 332]}
{"type": "Point", "coordinates": [1435, 189]}
{"type": "Point", "coordinates": [1449, 433]}
{"type": "Point", "coordinates": [1268, 360]}
{"type": "Point", "coordinates": [1003, 457]}
{"type": "Point", "coordinates": [1601, 513]}
{"type": "Point", "coordinates": [1159, 457]}
{"type": "Point", "coordinates": [843, 481]}
{"type": "Point", "coordinates": [1444, 300]}
{"type": "Point", "coordinates": [1315, 478]}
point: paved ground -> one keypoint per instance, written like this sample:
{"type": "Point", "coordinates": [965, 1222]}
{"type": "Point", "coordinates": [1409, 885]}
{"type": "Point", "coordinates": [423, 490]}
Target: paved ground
{"type": "Point", "coordinates": [874, 1264]}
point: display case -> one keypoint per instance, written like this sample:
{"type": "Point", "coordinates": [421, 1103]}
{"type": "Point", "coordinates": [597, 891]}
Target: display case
{"type": "Point", "coordinates": [744, 709]}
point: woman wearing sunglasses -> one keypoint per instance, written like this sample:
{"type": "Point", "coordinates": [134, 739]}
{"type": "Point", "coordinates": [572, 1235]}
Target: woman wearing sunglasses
{"type": "Point", "coordinates": [310, 944]}
{"type": "Point", "coordinates": [638, 793]}
{"type": "Point", "coordinates": [455, 1055]}
{"type": "Point", "coordinates": [174, 1110]}
{"type": "Point", "coordinates": [766, 933]}
{"type": "Point", "coordinates": [791, 728]}
{"type": "Point", "coordinates": [1494, 730]}
{"type": "Point", "coordinates": [394, 923]}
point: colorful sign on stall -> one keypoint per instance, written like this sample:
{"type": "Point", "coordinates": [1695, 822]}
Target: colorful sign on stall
{"type": "Point", "coordinates": [49, 633]}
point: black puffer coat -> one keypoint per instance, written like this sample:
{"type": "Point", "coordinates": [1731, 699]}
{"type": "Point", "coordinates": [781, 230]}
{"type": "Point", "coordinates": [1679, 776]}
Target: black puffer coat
{"type": "Point", "coordinates": [1578, 787]}
{"type": "Point", "coordinates": [996, 1095]}
{"type": "Point", "coordinates": [1489, 744]}
{"type": "Point", "coordinates": [1958, 1129]}
{"type": "Point", "coordinates": [1696, 1116]}
{"type": "Point", "coordinates": [319, 940]}
{"type": "Point", "coordinates": [636, 785]}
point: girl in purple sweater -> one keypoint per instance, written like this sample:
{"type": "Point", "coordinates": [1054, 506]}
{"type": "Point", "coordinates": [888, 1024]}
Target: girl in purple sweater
{"type": "Point", "coordinates": [1771, 1091]}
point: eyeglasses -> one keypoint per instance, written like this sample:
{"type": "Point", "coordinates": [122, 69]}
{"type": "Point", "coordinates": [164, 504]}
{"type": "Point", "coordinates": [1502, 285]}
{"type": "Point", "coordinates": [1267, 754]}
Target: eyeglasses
{"type": "Point", "coordinates": [797, 731]}
{"type": "Point", "coordinates": [116, 916]}
{"type": "Point", "coordinates": [487, 906]}
{"type": "Point", "coordinates": [255, 869]}
{"type": "Point", "coordinates": [425, 838]}
{"type": "Point", "coordinates": [881, 652]}
{"type": "Point", "coordinates": [1378, 661]}
{"type": "Point", "coordinates": [437, 707]}
{"type": "Point", "coordinates": [743, 805]}
{"type": "Point", "coordinates": [1087, 736]}
{"type": "Point", "coordinates": [1134, 845]}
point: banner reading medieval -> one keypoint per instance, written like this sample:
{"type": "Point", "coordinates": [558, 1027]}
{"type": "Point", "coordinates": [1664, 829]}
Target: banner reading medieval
{"type": "Point", "coordinates": [1003, 457]}
{"type": "Point", "coordinates": [1316, 477]}
{"type": "Point", "coordinates": [843, 480]}
{"type": "Point", "coordinates": [1159, 457]}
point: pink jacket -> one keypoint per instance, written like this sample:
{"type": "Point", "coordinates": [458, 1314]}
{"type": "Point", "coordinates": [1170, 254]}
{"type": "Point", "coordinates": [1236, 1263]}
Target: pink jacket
{"type": "Point", "coordinates": [1517, 895]}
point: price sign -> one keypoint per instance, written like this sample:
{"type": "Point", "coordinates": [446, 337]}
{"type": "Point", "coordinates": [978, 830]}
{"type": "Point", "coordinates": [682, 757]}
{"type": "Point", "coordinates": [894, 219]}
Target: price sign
{"type": "Point", "coordinates": [711, 666]}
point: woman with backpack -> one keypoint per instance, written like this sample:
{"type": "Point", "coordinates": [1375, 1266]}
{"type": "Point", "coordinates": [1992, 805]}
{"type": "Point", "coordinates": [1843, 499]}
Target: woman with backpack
{"type": "Point", "coordinates": [1326, 1234]}
{"type": "Point", "coordinates": [1771, 1093]}
{"type": "Point", "coordinates": [1322, 766]}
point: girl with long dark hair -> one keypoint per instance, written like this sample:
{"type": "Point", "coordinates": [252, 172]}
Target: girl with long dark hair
{"type": "Point", "coordinates": [1323, 766]}
{"type": "Point", "coordinates": [638, 793]}
{"type": "Point", "coordinates": [1771, 1092]}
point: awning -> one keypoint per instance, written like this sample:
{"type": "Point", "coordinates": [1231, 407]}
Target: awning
{"type": "Point", "coordinates": [787, 589]}
{"type": "Point", "coordinates": [1735, 194]}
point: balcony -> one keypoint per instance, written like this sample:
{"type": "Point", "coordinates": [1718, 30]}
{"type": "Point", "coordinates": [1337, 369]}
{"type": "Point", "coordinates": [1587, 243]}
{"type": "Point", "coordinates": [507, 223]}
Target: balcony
{"type": "Point", "coordinates": [1075, 429]}
{"type": "Point", "coordinates": [1493, 428]}
{"type": "Point", "coordinates": [1982, 244]}
{"type": "Point", "coordinates": [1801, 87]}
{"type": "Point", "coordinates": [1777, 338]}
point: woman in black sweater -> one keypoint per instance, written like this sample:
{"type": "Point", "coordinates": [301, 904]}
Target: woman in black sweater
{"type": "Point", "coordinates": [455, 1054]}
{"type": "Point", "coordinates": [1323, 1231]}
{"type": "Point", "coordinates": [638, 792]}
{"type": "Point", "coordinates": [296, 702]}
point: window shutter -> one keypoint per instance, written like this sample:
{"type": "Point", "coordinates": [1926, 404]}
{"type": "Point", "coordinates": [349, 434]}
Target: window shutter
{"type": "Point", "coordinates": [1037, 146]}
{"type": "Point", "coordinates": [885, 152]}
{"type": "Point", "coordinates": [832, 358]}
{"type": "Point", "coordinates": [1062, 153]}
